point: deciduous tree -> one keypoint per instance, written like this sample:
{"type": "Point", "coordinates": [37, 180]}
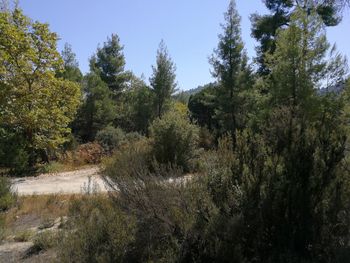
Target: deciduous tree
{"type": "Point", "coordinates": [33, 101]}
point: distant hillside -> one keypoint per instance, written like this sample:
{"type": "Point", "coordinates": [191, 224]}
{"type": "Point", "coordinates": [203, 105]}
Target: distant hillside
{"type": "Point", "coordinates": [185, 95]}
{"type": "Point", "coordinates": [337, 89]}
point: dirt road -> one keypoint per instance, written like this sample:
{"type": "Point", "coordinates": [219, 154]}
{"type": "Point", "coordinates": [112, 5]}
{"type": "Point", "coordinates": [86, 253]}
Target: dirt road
{"type": "Point", "coordinates": [60, 183]}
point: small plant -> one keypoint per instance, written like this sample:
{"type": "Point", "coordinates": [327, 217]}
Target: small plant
{"type": "Point", "coordinates": [52, 167]}
{"type": "Point", "coordinates": [91, 187]}
{"type": "Point", "coordinates": [133, 137]}
{"type": "Point", "coordinates": [23, 236]}
{"type": "Point", "coordinates": [2, 227]}
{"type": "Point", "coordinates": [7, 198]}
{"type": "Point", "coordinates": [96, 231]}
{"type": "Point", "coordinates": [47, 223]}
{"type": "Point", "coordinates": [44, 241]}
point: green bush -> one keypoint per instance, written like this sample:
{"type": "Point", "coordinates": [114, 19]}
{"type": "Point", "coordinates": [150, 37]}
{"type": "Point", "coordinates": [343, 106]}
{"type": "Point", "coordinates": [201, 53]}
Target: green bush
{"type": "Point", "coordinates": [2, 227]}
{"type": "Point", "coordinates": [163, 208]}
{"type": "Point", "coordinates": [97, 231]}
{"type": "Point", "coordinates": [130, 160]}
{"type": "Point", "coordinates": [110, 138]}
{"type": "Point", "coordinates": [13, 152]}
{"type": "Point", "coordinates": [206, 139]}
{"type": "Point", "coordinates": [52, 167]}
{"type": "Point", "coordinates": [23, 236]}
{"type": "Point", "coordinates": [174, 140]}
{"type": "Point", "coordinates": [133, 137]}
{"type": "Point", "coordinates": [44, 241]}
{"type": "Point", "coordinates": [7, 198]}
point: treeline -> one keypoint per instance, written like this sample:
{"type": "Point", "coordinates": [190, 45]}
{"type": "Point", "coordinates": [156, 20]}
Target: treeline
{"type": "Point", "coordinates": [265, 153]}
{"type": "Point", "coordinates": [45, 96]}
{"type": "Point", "coordinates": [48, 106]}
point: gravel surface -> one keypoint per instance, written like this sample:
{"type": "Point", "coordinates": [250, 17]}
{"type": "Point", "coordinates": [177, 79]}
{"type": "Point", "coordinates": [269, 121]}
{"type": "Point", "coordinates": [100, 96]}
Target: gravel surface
{"type": "Point", "coordinates": [74, 182]}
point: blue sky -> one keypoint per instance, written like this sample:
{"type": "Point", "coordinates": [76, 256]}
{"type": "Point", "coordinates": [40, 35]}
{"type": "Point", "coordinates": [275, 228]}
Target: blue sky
{"type": "Point", "coordinates": [188, 27]}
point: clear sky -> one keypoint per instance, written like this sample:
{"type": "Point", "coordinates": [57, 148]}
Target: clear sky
{"type": "Point", "coordinates": [188, 27]}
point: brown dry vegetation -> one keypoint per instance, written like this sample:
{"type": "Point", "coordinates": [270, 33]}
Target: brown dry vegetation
{"type": "Point", "coordinates": [33, 211]}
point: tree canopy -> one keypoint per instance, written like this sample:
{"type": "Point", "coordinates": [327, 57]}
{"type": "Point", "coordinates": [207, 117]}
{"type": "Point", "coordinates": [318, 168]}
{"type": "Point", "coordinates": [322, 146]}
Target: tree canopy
{"type": "Point", "coordinates": [34, 102]}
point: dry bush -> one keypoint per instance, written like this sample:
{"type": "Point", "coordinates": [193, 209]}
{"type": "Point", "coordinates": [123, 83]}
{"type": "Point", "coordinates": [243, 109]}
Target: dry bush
{"type": "Point", "coordinates": [89, 153]}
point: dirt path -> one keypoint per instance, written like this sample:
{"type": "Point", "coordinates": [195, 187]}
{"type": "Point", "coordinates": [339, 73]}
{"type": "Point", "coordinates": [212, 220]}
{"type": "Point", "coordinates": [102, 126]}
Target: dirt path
{"type": "Point", "coordinates": [60, 183]}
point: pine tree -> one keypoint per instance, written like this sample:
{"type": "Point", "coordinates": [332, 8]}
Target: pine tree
{"type": "Point", "coordinates": [265, 27]}
{"type": "Point", "coordinates": [71, 66]}
{"type": "Point", "coordinates": [308, 133]}
{"type": "Point", "coordinates": [98, 109]}
{"type": "Point", "coordinates": [230, 67]}
{"type": "Point", "coordinates": [109, 64]}
{"type": "Point", "coordinates": [163, 79]}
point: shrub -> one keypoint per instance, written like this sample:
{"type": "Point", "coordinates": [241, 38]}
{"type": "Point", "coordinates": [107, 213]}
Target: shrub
{"type": "Point", "coordinates": [44, 241]}
{"type": "Point", "coordinates": [97, 231]}
{"type": "Point", "coordinates": [110, 138]}
{"type": "Point", "coordinates": [174, 140]}
{"type": "Point", "coordinates": [52, 167]}
{"type": "Point", "coordinates": [133, 137]}
{"type": "Point", "coordinates": [157, 197]}
{"type": "Point", "coordinates": [89, 153]}
{"type": "Point", "coordinates": [7, 198]}
{"type": "Point", "coordinates": [206, 139]}
{"type": "Point", "coordinates": [128, 161]}
{"type": "Point", "coordinates": [2, 227]}
{"type": "Point", "coordinates": [23, 236]}
{"type": "Point", "coordinates": [13, 152]}
{"type": "Point", "coordinates": [71, 144]}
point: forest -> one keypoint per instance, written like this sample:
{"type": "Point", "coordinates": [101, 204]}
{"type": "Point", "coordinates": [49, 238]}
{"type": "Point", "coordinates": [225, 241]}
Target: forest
{"type": "Point", "coordinates": [254, 167]}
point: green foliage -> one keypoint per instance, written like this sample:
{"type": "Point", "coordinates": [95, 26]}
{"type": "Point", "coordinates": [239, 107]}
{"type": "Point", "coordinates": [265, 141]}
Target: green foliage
{"type": "Point", "coordinates": [129, 160]}
{"type": "Point", "coordinates": [135, 108]}
{"type": "Point", "coordinates": [34, 103]}
{"type": "Point", "coordinates": [98, 109]}
{"type": "Point", "coordinates": [23, 236]}
{"type": "Point", "coordinates": [52, 167]}
{"type": "Point", "coordinates": [273, 188]}
{"type": "Point", "coordinates": [97, 231]}
{"type": "Point", "coordinates": [110, 138]}
{"type": "Point", "coordinates": [44, 241]}
{"type": "Point", "coordinates": [163, 79]}
{"type": "Point", "coordinates": [163, 210]}
{"type": "Point", "coordinates": [230, 67]}
{"type": "Point", "coordinates": [174, 140]}
{"type": "Point", "coordinates": [143, 108]}
{"type": "Point", "coordinates": [202, 107]}
{"type": "Point", "coordinates": [206, 139]}
{"type": "Point", "coordinates": [182, 97]}
{"type": "Point", "coordinates": [133, 137]}
{"type": "Point", "coordinates": [7, 198]}
{"type": "Point", "coordinates": [71, 69]}
{"type": "Point", "coordinates": [265, 27]}
{"type": "Point", "coordinates": [2, 227]}
{"type": "Point", "coordinates": [13, 152]}
{"type": "Point", "coordinates": [108, 63]}
{"type": "Point", "coordinates": [280, 193]}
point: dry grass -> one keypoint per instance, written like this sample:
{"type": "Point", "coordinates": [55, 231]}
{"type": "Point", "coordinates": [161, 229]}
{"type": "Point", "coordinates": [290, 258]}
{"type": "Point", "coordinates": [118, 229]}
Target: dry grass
{"type": "Point", "coordinates": [43, 205]}
{"type": "Point", "coordinates": [33, 211]}
{"type": "Point", "coordinates": [58, 167]}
